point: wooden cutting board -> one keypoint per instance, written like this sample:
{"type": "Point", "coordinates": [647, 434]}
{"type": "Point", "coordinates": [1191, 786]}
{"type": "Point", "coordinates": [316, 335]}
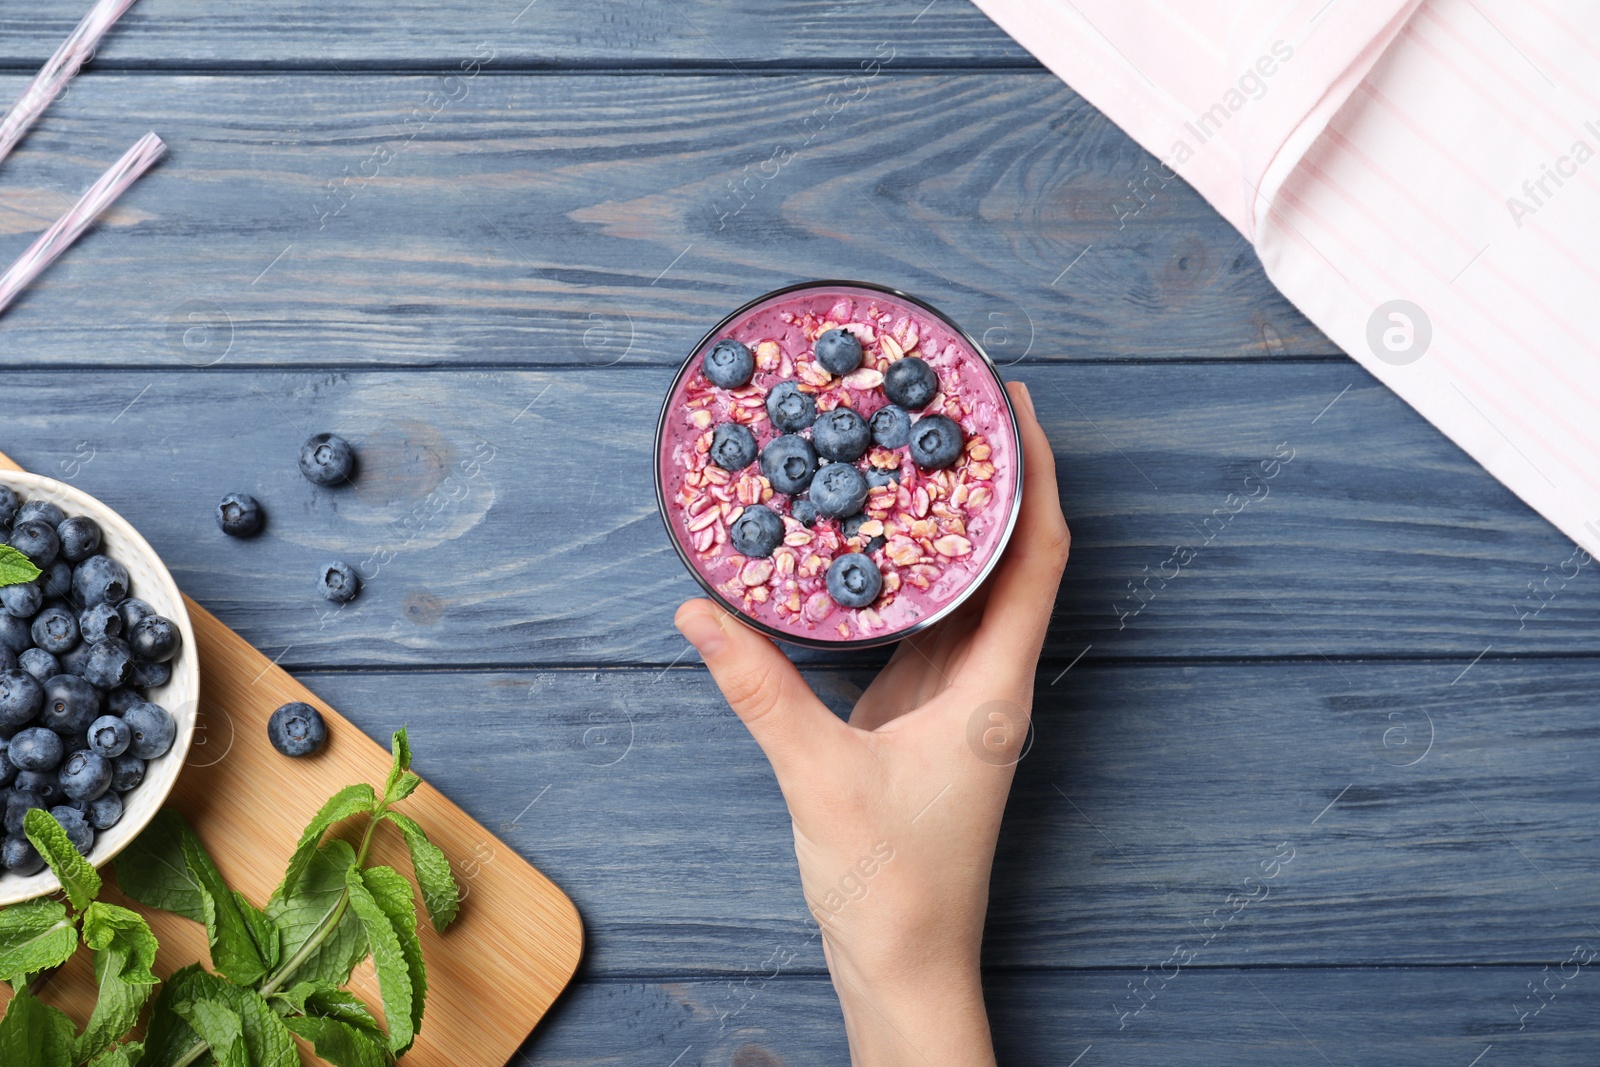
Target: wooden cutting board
{"type": "Point", "coordinates": [491, 975]}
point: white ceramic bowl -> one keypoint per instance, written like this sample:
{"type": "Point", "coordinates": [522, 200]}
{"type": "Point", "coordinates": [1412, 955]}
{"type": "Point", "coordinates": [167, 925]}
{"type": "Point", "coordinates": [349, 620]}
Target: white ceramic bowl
{"type": "Point", "coordinates": [181, 695]}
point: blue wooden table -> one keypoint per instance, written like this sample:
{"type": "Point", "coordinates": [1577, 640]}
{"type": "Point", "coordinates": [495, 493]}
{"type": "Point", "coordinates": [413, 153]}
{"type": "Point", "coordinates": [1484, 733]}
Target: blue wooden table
{"type": "Point", "coordinates": [476, 236]}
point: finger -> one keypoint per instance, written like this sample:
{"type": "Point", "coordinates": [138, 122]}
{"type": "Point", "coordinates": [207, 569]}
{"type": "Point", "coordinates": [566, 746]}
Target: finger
{"type": "Point", "coordinates": [762, 686]}
{"type": "Point", "coordinates": [1022, 591]}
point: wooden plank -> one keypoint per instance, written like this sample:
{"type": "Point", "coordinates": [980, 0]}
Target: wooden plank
{"type": "Point", "coordinates": [559, 32]}
{"type": "Point", "coordinates": [597, 220]}
{"type": "Point", "coordinates": [1149, 795]}
{"type": "Point", "coordinates": [492, 975]}
{"type": "Point", "coordinates": [1203, 1017]}
{"type": "Point", "coordinates": [1378, 538]}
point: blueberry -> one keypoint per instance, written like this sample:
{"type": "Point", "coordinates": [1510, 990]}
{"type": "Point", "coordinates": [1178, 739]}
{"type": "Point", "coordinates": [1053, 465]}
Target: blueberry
{"type": "Point", "coordinates": [153, 730]}
{"type": "Point", "coordinates": [40, 511]}
{"type": "Point", "coordinates": [76, 826]}
{"type": "Point", "coordinates": [85, 775]}
{"type": "Point", "coordinates": [109, 736]}
{"type": "Point", "coordinates": [20, 857]}
{"type": "Point", "coordinates": [132, 610]}
{"type": "Point", "coordinates": [37, 540]}
{"type": "Point", "coordinates": [729, 364]}
{"type": "Point", "coordinates": [46, 785]}
{"type": "Point", "coordinates": [15, 633]}
{"type": "Point", "coordinates": [104, 811]}
{"type": "Point", "coordinates": [75, 660]}
{"type": "Point", "coordinates": [854, 580]}
{"type": "Point", "coordinates": [22, 600]}
{"type": "Point", "coordinates": [804, 512]}
{"type": "Point", "coordinates": [151, 675]}
{"type": "Point", "coordinates": [891, 426]}
{"type": "Point", "coordinates": [9, 503]}
{"type": "Point", "coordinates": [788, 463]}
{"type": "Point", "coordinates": [100, 580]}
{"type": "Point", "coordinates": [838, 352]}
{"type": "Point", "coordinates": [838, 490]}
{"type": "Point", "coordinates": [57, 580]}
{"type": "Point", "coordinates": [790, 409]}
{"type": "Point", "coordinates": [18, 803]}
{"type": "Point", "coordinates": [733, 447]}
{"type": "Point", "coordinates": [79, 537]}
{"type": "Point", "coordinates": [296, 729]}
{"type": "Point", "coordinates": [239, 515]}
{"type": "Point", "coordinates": [54, 630]}
{"type": "Point", "coordinates": [911, 383]}
{"type": "Point", "coordinates": [35, 749]}
{"type": "Point", "coordinates": [8, 658]}
{"type": "Point", "coordinates": [851, 527]}
{"type": "Point", "coordinates": [935, 442]}
{"type": "Point", "coordinates": [841, 435]}
{"type": "Point", "coordinates": [876, 477]}
{"type": "Point", "coordinates": [69, 704]}
{"type": "Point", "coordinates": [8, 770]}
{"type": "Point", "coordinates": [39, 663]}
{"type": "Point", "coordinates": [20, 698]}
{"type": "Point", "coordinates": [155, 639]}
{"type": "Point", "coordinates": [757, 531]}
{"type": "Point", "coordinates": [327, 459]}
{"type": "Point", "coordinates": [127, 771]}
{"type": "Point", "coordinates": [110, 664]}
{"type": "Point", "coordinates": [118, 701]}
{"type": "Point", "coordinates": [99, 622]}
{"type": "Point", "coordinates": [71, 743]}
{"type": "Point", "coordinates": [337, 582]}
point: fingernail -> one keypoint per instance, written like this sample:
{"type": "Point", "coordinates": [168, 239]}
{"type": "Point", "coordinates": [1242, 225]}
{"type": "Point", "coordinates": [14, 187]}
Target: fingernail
{"type": "Point", "coordinates": [702, 630]}
{"type": "Point", "coordinates": [1026, 399]}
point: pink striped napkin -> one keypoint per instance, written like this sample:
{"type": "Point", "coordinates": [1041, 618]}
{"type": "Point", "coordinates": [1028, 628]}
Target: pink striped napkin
{"type": "Point", "coordinates": [1418, 176]}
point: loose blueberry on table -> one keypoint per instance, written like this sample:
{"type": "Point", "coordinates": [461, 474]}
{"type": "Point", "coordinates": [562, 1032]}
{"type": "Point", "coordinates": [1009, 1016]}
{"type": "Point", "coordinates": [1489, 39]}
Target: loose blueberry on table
{"type": "Point", "coordinates": [239, 515]}
{"type": "Point", "coordinates": [297, 729]}
{"type": "Point", "coordinates": [77, 654]}
{"type": "Point", "coordinates": [327, 459]}
{"type": "Point", "coordinates": [832, 464]}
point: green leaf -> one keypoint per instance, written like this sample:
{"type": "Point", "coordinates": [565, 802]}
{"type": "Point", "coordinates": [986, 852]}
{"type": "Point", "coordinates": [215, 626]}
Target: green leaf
{"type": "Point", "coordinates": [440, 894]}
{"type": "Point", "coordinates": [124, 948]}
{"type": "Point", "coordinates": [300, 913]}
{"type": "Point", "coordinates": [81, 881]}
{"type": "Point", "coordinates": [339, 1044]}
{"type": "Point", "coordinates": [233, 948]}
{"type": "Point", "coordinates": [215, 1023]}
{"type": "Point", "coordinates": [125, 1055]}
{"type": "Point", "coordinates": [241, 1028]}
{"type": "Point", "coordinates": [34, 1034]}
{"type": "Point", "coordinates": [152, 869]}
{"type": "Point", "coordinates": [351, 800]}
{"type": "Point", "coordinates": [167, 1037]}
{"type": "Point", "coordinates": [15, 568]}
{"type": "Point", "coordinates": [390, 921]}
{"type": "Point", "coordinates": [33, 936]}
{"type": "Point", "coordinates": [329, 1002]}
{"type": "Point", "coordinates": [401, 782]}
{"type": "Point", "coordinates": [262, 931]}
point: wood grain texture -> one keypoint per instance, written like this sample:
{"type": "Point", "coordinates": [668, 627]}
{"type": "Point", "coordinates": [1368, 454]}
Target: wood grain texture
{"type": "Point", "coordinates": [356, 33]}
{"type": "Point", "coordinates": [1462, 830]}
{"type": "Point", "coordinates": [492, 974]}
{"type": "Point", "coordinates": [1378, 538]}
{"type": "Point", "coordinates": [1202, 1018]}
{"type": "Point", "coordinates": [597, 220]}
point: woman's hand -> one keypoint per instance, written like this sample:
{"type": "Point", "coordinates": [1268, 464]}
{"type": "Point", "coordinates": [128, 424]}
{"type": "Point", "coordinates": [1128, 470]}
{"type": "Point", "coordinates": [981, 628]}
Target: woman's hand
{"type": "Point", "coordinates": [896, 814]}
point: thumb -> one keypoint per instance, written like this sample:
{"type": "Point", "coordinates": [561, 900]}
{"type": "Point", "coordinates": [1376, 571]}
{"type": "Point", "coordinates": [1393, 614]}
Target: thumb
{"type": "Point", "coordinates": [762, 686]}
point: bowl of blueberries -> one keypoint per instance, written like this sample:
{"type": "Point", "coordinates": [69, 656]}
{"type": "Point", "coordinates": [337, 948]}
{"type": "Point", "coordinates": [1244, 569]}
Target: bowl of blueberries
{"type": "Point", "coordinates": [99, 680]}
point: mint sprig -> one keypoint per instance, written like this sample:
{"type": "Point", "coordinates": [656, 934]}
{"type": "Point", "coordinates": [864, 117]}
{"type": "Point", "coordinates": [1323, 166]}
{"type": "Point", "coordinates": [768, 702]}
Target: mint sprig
{"type": "Point", "coordinates": [278, 970]}
{"type": "Point", "coordinates": [15, 568]}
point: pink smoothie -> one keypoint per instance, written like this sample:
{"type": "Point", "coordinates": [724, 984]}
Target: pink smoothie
{"type": "Point", "coordinates": [941, 529]}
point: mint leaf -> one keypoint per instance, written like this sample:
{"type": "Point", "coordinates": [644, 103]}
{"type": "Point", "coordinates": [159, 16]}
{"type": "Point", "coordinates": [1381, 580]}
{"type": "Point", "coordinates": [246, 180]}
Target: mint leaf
{"type": "Point", "coordinates": [401, 782]}
{"type": "Point", "coordinates": [263, 933]}
{"type": "Point", "coordinates": [81, 881]}
{"type": "Point", "coordinates": [33, 936]}
{"type": "Point", "coordinates": [15, 568]}
{"type": "Point", "coordinates": [329, 1002]}
{"type": "Point", "coordinates": [126, 1055]}
{"type": "Point", "coordinates": [339, 1044]}
{"type": "Point", "coordinates": [124, 948]}
{"type": "Point", "coordinates": [167, 1037]}
{"type": "Point", "coordinates": [152, 869]}
{"type": "Point", "coordinates": [233, 949]}
{"type": "Point", "coordinates": [440, 894]}
{"type": "Point", "coordinates": [391, 955]}
{"type": "Point", "coordinates": [215, 1023]}
{"type": "Point", "coordinates": [236, 1022]}
{"type": "Point", "coordinates": [351, 800]}
{"type": "Point", "coordinates": [35, 1034]}
{"type": "Point", "coordinates": [297, 915]}
{"type": "Point", "coordinates": [393, 894]}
